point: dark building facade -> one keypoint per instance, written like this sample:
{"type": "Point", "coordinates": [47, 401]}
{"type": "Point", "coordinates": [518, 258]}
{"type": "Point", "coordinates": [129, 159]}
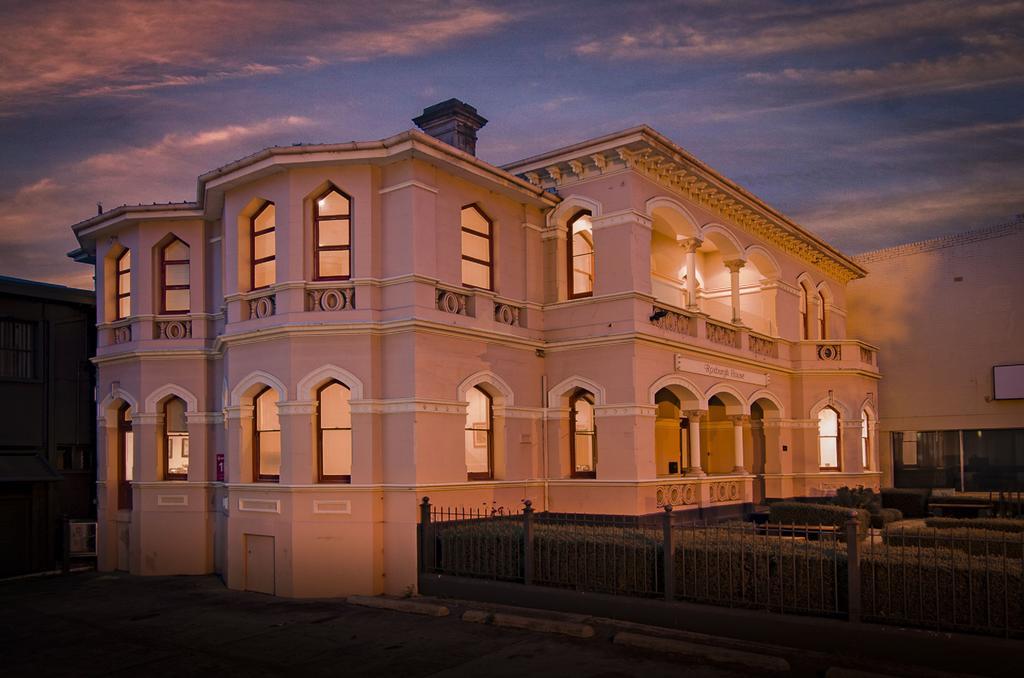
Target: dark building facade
{"type": "Point", "coordinates": [47, 436]}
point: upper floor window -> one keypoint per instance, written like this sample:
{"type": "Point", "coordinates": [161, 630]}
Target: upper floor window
{"type": "Point", "coordinates": [581, 256]}
{"type": "Point", "coordinates": [175, 440]}
{"type": "Point", "coordinates": [822, 322]}
{"type": "Point", "coordinates": [865, 440]}
{"type": "Point", "coordinates": [582, 436]}
{"type": "Point", "coordinates": [125, 457]}
{"type": "Point", "coordinates": [174, 268]}
{"type": "Point", "coordinates": [828, 439]}
{"type": "Point", "coordinates": [805, 315]}
{"type": "Point", "coordinates": [263, 247]}
{"type": "Point", "coordinates": [17, 349]}
{"type": "Point", "coordinates": [477, 249]}
{"type": "Point", "coordinates": [266, 444]}
{"type": "Point", "coordinates": [332, 233]}
{"type": "Point", "coordinates": [479, 435]}
{"type": "Point", "coordinates": [334, 433]}
{"type": "Point", "coordinates": [124, 285]}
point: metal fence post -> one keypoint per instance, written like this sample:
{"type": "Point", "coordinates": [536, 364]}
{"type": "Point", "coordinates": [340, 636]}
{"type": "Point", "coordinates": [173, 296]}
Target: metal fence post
{"type": "Point", "coordinates": [426, 537]}
{"type": "Point", "coordinates": [853, 600]}
{"type": "Point", "coordinates": [668, 554]}
{"type": "Point", "coordinates": [528, 542]}
{"type": "Point", "coordinates": [65, 544]}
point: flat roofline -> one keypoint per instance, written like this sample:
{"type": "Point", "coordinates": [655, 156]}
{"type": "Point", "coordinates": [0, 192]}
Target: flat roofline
{"type": "Point", "coordinates": [943, 241]}
{"type": "Point", "coordinates": [36, 289]}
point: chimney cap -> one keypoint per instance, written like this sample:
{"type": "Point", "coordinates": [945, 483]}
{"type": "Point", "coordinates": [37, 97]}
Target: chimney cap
{"type": "Point", "coordinates": [451, 108]}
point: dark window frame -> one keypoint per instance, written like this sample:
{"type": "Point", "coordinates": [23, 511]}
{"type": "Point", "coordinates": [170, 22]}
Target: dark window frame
{"type": "Point", "coordinates": [489, 474]}
{"type": "Point", "coordinates": [253, 261]}
{"type": "Point", "coordinates": [124, 486]}
{"type": "Point", "coordinates": [838, 468]}
{"type": "Point", "coordinates": [823, 320]}
{"type": "Point", "coordinates": [570, 258]}
{"type": "Point", "coordinates": [118, 272]}
{"type": "Point", "coordinates": [321, 476]}
{"type": "Point", "coordinates": [16, 357]}
{"type": "Point", "coordinates": [317, 247]}
{"type": "Point", "coordinates": [257, 476]}
{"type": "Point", "coordinates": [167, 447]}
{"type": "Point", "coordinates": [576, 397]}
{"type": "Point", "coordinates": [164, 287]}
{"type": "Point", "coordinates": [490, 245]}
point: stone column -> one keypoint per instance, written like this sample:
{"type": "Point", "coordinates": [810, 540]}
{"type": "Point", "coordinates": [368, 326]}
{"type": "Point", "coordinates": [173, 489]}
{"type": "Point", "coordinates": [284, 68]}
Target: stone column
{"type": "Point", "coordinates": [738, 423]}
{"type": "Point", "coordinates": [734, 266]}
{"type": "Point", "coordinates": [147, 430]}
{"type": "Point", "coordinates": [691, 245]}
{"type": "Point", "coordinates": [298, 450]}
{"type": "Point", "coordinates": [694, 417]}
{"type": "Point", "coordinates": [200, 466]}
{"type": "Point", "coordinates": [238, 443]}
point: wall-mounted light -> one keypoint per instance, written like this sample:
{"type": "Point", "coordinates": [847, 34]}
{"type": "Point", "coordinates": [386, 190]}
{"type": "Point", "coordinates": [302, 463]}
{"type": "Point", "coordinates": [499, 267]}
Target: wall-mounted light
{"type": "Point", "coordinates": [659, 314]}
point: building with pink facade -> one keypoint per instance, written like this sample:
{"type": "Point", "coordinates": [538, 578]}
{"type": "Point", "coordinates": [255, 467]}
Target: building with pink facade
{"type": "Point", "coordinates": [329, 333]}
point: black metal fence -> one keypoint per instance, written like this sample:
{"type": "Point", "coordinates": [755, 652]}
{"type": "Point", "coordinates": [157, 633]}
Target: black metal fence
{"type": "Point", "coordinates": [921, 578]}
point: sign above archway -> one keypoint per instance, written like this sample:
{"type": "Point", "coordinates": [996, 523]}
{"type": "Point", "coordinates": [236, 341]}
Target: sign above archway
{"type": "Point", "coordinates": [711, 369]}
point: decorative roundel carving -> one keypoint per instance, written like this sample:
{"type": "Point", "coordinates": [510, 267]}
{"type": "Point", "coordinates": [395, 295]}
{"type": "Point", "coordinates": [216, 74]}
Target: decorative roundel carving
{"type": "Point", "coordinates": [721, 491]}
{"type": "Point", "coordinates": [448, 302]}
{"type": "Point", "coordinates": [828, 352]}
{"type": "Point", "coordinates": [689, 494]}
{"type": "Point", "coordinates": [505, 314]}
{"type": "Point", "coordinates": [333, 300]}
{"type": "Point", "coordinates": [175, 330]}
{"type": "Point", "coordinates": [674, 495]}
{"type": "Point", "coordinates": [263, 308]}
{"type": "Point", "coordinates": [660, 497]}
{"type": "Point", "coordinates": [734, 491]}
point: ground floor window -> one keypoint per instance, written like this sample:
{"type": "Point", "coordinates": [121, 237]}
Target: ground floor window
{"type": "Point", "coordinates": [582, 436]}
{"type": "Point", "coordinates": [970, 460]}
{"type": "Point", "coordinates": [479, 435]}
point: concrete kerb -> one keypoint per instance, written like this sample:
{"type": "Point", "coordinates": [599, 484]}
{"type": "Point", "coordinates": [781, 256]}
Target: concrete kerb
{"type": "Point", "coordinates": [514, 621]}
{"type": "Point", "coordinates": [399, 605]}
{"type": "Point", "coordinates": [711, 653]}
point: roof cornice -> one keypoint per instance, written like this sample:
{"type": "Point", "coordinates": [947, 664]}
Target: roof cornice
{"type": "Point", "coordinates": [656, 157]}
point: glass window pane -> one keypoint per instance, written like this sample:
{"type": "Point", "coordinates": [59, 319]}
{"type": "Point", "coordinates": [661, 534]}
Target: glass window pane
{"type": "Point", "coordinates": [176, 274]}
{"type": "Point", "coordinates": [124, 307]}
{"type": "Point", "coordinates": [266, 411]}
{"type": "Point", "coordinates": [478, 411]}
{"type": "Point", "coordinates": [266, 218]}
{"type": "Point", "coordinates": [584, 415]}
{"type": "Point", "coordinates": [828, 422]}
{"type": "Point", "coordinates": [337, 452]}
{"type": "Point", "coordinates": [476, 246]}
{"type": "Point", "coordinates": [263, 246]}
{"type": "Point", "coordinates": [270, 453]}
{"type": "Point", "coordinates": [584, 452]}
{"type": "Point", "coordinates": [332, 204]}
{"type": "Point", "coordinates": [177, 454]}
{"type": "Point", "coordinates": [124, 262]}
{"type": "Point", "coordinates": [333, 263]}
{"type": "Point", "coordinates": [333, 232]}
{"type": "Point", "coordinates": [124, 283]}
{"type": "Point", "coordinates": [582, 225]}
{"type": "Point", "coordinates": [334, 407]}
{"type": "Point", "coordinates": [474, 220]}
{"type": "Point", "coordinates": [176, 300]}
{"type": "Point", "coordinates": [129, 455]}
{"type": "Point", "coordinates": [581, 244]}
{"type": "Point", "coordinates": [477, 275]}
{"type": "Point", "coordinates": [176, 250]}
{"type": "Point", "coordinates": [264, 274]}
{"type": "Point", "coordinates": [829, 453]}
{"type": "Point", "coordinates": [174, 416]}
{"type": "Point", "coordinates": [477, 460]}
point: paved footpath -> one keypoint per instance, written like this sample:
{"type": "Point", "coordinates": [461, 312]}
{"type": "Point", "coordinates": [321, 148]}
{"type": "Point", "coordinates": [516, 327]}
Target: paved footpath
{"type": "Point", "coordinates": [95, 624]}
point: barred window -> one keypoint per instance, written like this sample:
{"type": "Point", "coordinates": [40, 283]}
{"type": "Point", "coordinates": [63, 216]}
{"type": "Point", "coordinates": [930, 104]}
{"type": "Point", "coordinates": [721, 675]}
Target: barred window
{"type": "Point", "coordinates": [17, 349]}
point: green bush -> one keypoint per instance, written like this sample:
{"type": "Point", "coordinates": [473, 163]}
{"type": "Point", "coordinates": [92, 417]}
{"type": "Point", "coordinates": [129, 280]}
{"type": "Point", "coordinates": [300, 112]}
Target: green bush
{"type": "Point", "coordinates": [884, 517]}
{"type": "Point", "coordinates": [795, 513]}
{"type": "Point", "coordinates": [858, 497]}
{"type": "Point", "coordinates": [912, 502]}
{"type": "Point", "coordinates": [994, 524]}
{"type": "Point", "coordinates": [964, 539]}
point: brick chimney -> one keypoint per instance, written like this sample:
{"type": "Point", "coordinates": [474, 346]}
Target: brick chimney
{"type": "Point", "coordinates": [453, 122]}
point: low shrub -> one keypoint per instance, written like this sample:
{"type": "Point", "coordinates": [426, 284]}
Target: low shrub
{"type": "Point", "coordinates": [994, 524]}
{"type": "Point", "coordinates": [963, 539]}
{"type": "Point", "coordinates": [960, 499]}
{"type": "Point", "coordinates": [885, 516]}
{"type": "Point", "coordinates": [858, 497]}
{"type": "Point", "coordinates": [795, 513]}
{"type": "Point", "coordinates": [912, 502]}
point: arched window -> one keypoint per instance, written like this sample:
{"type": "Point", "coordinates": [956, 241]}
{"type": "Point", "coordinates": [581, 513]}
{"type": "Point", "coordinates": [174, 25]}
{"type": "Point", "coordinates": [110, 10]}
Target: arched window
{"type": "Point", "coordinates": [124, 285]}
{"type": "Point", "coordinates": [174, 268]}
{"type": "Point", "coordinates": [262, 247]}
{"type": "Point", "coordinates": [334, 433]}
{"type": "Point", "coordinates": [477, 249]}
{"type": "Point", "coordinates": [175, 440]}
{"type": "Point", "coordinates": [332, 233]}
{"type": "Point", "coordinates": [266, 445]}
{"type": "Point", "coordinates": [828, 439]}
{"type": "Point", "coordinates": [865, 439]}
{"type": "Point", "coordinates": [125, 457]}
{"type": "Point", "coordinates": [822, 321]}
{"type": "Point", "coordinates": [581, 256]}
{"type": "Point", "coordinates": [805, 315]}
{"type": "Point", "coordinates": [479, 435]}
{"type": "Point", "coordinates": [582, 436]}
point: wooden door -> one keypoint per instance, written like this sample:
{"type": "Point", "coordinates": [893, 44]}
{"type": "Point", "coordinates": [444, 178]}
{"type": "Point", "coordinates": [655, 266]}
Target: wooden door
{"type": "Point", "coordinates": [259, 563]}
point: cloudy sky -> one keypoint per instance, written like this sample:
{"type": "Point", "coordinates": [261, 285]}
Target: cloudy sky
{"type": "Point", "coordinates": [872, 123]}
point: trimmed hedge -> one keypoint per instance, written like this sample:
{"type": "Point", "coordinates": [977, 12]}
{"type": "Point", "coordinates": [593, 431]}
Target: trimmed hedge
{"type": "Point", "coordinates": [885, 516]}
{"type": "Point", "coordinates": [912, 502]}
{"type": "Point", "coordinates": [964, 539]}
{"type": "Point", "coordinates": [994, 524]}
{"type": "Point", "coordinates": [795, 513]}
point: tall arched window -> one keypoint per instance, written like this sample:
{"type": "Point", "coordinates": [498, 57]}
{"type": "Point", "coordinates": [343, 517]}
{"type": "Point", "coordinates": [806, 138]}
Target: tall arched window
{"type": "Point", "coordinates": [865, 439]}
{"type": "Point", "coordinates": [581, 255]}
{"type": "Point", "coordinates": [262, 247]}
{"type": "Point", "coordinates": [125, 457]}
{"type": "Point", "coordinates": [334, 433]}
{"type": "Point", "coordinates": [671, 435]}
{"type": "Point", "coordinates": [805, 312]}
{"type": "Point", "coordinates": [266, 444]}
{"type": "Point", "coordinates": [124, 285]}
{"type": "Point", "coordinates": [175, 440]}
{"type": "Point", "coordinates": [828, 439]}
{"type": "Point", "coordinates": [582, 436]}
{"type": "Point", "coordinates": [477, 249]}
{"type": "Point", "coordinates": [479, 435]}
{"type": "Point", "coordinates": [332, 233]}
{"type": "Point", "coordinates": [174, 277]}
{"type": "Point", "coordinates": [822, 323]}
